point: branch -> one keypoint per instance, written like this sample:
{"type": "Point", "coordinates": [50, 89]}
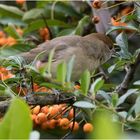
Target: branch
{"type": "Point", "coordinates": [128, 77]}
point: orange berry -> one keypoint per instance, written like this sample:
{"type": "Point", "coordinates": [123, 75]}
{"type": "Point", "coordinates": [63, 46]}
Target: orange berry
{"type": "Point", "coordinates": [20, 2]}
{"type": "Point", "coordinates": [117, 23]}
{"type": "Point", "coordinates": [44, 125]}
{"type": "Point", "coordinates": [96, 19]}
{"type": "Point", "coordinates": [71, 114]}
{"type": "Point", "coordinates": [11, 41]}
{"type": "Point", "coordinates": [45, 109]}
{"type": "Point", "coordinates": [53, 110]}
{"type": "Point", "coordinates": [126, 10]}
{"type": "Point", "coordinates": [76, 126]}
{"type": "Point", "coordinates": [44, 33]}
{"type": "Point", "coordinates": [64, 123]}
{"type": "Point", "coordinates": [88, 127]}
{"type": "Point", "coordinates": [2, 34]}
{"type": "Point", "coordinates": [77, 86]}
{"type": "Point", "coordinates": [19, 31]}
{"type": "Point", "coordinates": [41, 117]}
{"type": "Point", "coordinates": [33, 117]}
{"type": "Point", "coordinates": [97, 4]}
{"type": "Point", "coordinates": [52, 123]}
{"type": "Point", "coordinates": [36, 109]}
{"type": "Point", "coordinates": [3, 41]}
{"type": "Point", "coordinates": [42, 89]}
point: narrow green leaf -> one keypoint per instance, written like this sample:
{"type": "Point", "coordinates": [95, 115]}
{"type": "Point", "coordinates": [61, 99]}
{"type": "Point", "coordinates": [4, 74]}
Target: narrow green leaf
{"type": "Point", "coordinates": [115, 28]}
{"type": "Point", "coordinates": [137, 106]}
{"type": "Point", "coordinates": [128, 93]}
{"type": "Point", "coordinates": [61, 72]}
{"type": "Point", "coordinates": [111, 68]}
{"type": "Point", "coordinates": [37, 24]}
{"type": "Point", "coordinates": [122, 41]}
{"type": "Point", "coordinates": [82, 23]}
{"type": "Point", "coordinates": [11, 30]}
{"type": "Point", "coordinates": [50, 60]}
{"type": "Point", "coordinates": [17, 123]}
{"type": "Point", "coordinates": [96, 85]}
{"type": "Point", "coordinates": [83, 104]}
{"type": "Point", "coordinates": [136, 82]}
{"type": "Point", "coordinates": [32, 14]}
{"type": "Point", "coordinates": [10, 11]}
{"type": "Point", "coordinates": [85, 82]}
{"type": "Point", "coordinates": [70, 68]}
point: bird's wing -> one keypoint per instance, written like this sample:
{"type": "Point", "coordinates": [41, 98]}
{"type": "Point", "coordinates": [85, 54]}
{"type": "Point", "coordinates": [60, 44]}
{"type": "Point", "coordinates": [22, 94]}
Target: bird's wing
{"type": "Point", "coordinates": [59, 43]}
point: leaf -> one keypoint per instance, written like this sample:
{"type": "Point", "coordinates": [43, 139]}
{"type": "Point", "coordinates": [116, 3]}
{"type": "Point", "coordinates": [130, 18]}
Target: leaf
{"type": "Point", "coordinates": [66, 32]}
{"type": "Point", "coordinates": [136, 82]}
{"type": "Point", "coordinates": [17, 123]}
{"type": "Point", "coordinates": [122, 41]}
{"type": "Point", "coordinates": [45, 70]}
{"type": "Point", "coordinates": [61, 11]}
{"type": "Point", "coordinates": [10, 11]}
{"type": "Point", "coordinates": [7, 20]}
{"type": "Point", "coordinates": [115, 99]}
{"type": "Point", "coordinates": [137, 106]}
{"type": "Point", "coordinates": [111, 68]}
{"type": "Point", "coordinates": [32, 14]}
{"type": "Point", "coordinates": [14, 50]}
{"type": "Point", "coordinates": [61, 72]}
{"type": "Point", "coordinates": [70, 68]}
{"type": "Point", "coordinates": [37, 24]}
{"type": "Point", "coordinates": [82, 23]}
{"type": "Point", "coordinates": [128, 93]}
{"type": "Point", "coordinates": [83, 104]}
{"type": "Point", "coordinates": [105, 127]}
{"type": "Point", "coordinates": [11, 30]}
{"type": "Point", "coordinates": [85, 82]}
{"type": "Point", "coordinates": [114, 28]}
{"type": "Point", "coordinates": [104, 95]}
{"type": "Point", "coordinates": [96, 85]}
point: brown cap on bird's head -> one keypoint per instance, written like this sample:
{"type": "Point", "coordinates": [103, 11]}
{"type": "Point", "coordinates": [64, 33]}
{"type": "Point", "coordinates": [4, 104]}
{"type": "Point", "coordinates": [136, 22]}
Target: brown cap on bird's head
{"type": "Point", "coordinates": [101, 37]}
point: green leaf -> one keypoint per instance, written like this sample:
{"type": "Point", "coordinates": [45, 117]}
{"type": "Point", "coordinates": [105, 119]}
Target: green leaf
{"type": "Point", "coordinates": [105, 128]}
{"type": "Point", "coordinates": [7, 20]}
{"type": "Point", "coordinates": [111, 68]}
{"type": "Point", "coordinates": [10, 11]}
{"type": "Point", "coordinates": [83, 104]}
{"type": "Point", "coordinates": [104, 95]}
{"type": "Point", "coordinates": [17, 123]}
{"type": "Point", "coordinates": [37, 24]}
{"type": "Point", "coordinates": [122, 41]}
{"type": "Point", "coordinates": [115, 99]}
{"type": "Point", "coordinates": [66, 32]}
{"type": "Point", "coordinates": [96, 85]}
{"type": "Point", "coordinates": [137, 106]}
{"type": "Point", "coordinates": [61, 10]}
{"type": "Point", "coordinates": [70, 68]}
{"type": "Point", "coordinates": [11, 30]}
{"type": "Point", "coordinates": [128, 93]}
{"type": "Point", "coordinates": [82, 23]}
{"type": "Point", "coordinates": [115, 28]}
{"type": "Point", "coordinates": [61, 72]}
{"type": "Point", "coordinates": [32, 14]}
{"type": "Point", "coordinates": [85, 82]}
{"type": "Point", "coordinates": [136, 82]}
{"type": "Point", "coordinates": [14, 50]}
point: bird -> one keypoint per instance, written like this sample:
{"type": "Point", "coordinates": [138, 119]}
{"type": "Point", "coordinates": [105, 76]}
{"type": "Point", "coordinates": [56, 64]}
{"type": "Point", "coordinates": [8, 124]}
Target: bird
{"type": "Point", "coordinates": [90, 52]}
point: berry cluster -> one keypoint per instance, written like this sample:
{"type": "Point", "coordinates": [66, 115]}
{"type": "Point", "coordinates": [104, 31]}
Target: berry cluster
{"type": "Point", "coordinates": [50, 117]}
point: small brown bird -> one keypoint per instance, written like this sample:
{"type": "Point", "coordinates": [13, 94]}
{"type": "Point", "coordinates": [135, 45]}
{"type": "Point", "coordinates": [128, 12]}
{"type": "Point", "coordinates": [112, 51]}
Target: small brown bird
{"type": "Point", "coordinates": [91, 51]}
